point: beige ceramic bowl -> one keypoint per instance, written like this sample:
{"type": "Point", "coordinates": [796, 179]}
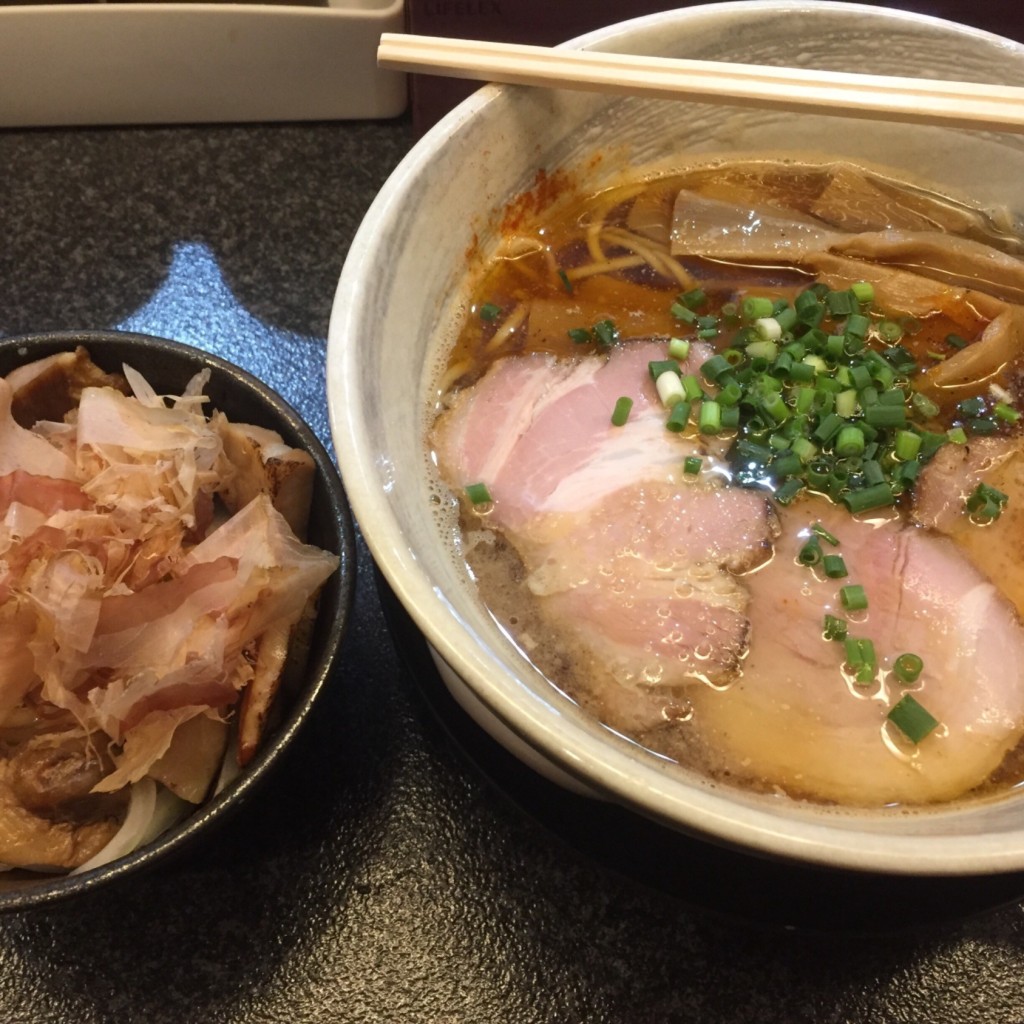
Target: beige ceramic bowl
{"type": "Point", "coordinates": [399, 300]}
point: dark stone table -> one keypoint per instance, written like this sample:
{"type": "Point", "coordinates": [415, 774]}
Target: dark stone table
{"type": "Point", "coordinates": [382, 876]}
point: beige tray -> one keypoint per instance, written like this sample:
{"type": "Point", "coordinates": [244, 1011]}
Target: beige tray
{"type": "Point", "coordinates": [162, 63]}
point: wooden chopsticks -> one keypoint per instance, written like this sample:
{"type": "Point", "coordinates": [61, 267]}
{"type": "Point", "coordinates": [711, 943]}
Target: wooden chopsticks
{"type": "Point", "coordinates": [881, 97]}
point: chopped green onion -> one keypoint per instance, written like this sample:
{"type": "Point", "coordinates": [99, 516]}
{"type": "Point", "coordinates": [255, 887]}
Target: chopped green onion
{"type": "Point", "coordinates": [861, 658]}
{"type": "Point", "coordinates": [890, 331]}
{"type": "Point", "coordinates": [863, 290]}
{"type": "Point", "coordinates": [788, 464]}
{"type": "Point", "coordinates": [931, 443]}
{"type": "Point", "coordinates": [835, 567]}
{"type": "Point", "coordinates": [816, 363]}
{"type": "Point", "coordinates": [924, 405]}
{"type": "Point", "coordinates": [985, 503]}
{"type": "Point", "coordinates": [841, 303]}
{"type": "Point", "coordinates": [850, 441]}
{"type": "Point", "coordinates": [714, 367]}
{"type": "Point", "coordinates": [957, 435]}
{"type": "Point", "coordinates": [829, 426]}
{"type": "Point", "coordinates": [488, 311]}
{"type": "Point", "coordinates": [1006, 412]}
{"type": "Point", "coordinates": [853, 597]}
{"type": "Point", "coordinates": [709, 420]}
{"type": "Point", "coordinates": [835, 628]}
{"type": "Point", "coordinates": [956, 341]}
{"type": "Point", "coordinates": [907, 667]}
{"type": "Point", "coordinates": [810, 553]}
{"type": "Point", "coordinates": [566, 283]}
{"type": "Point", "coordinates": [678, 417]}
{"type": "Point", "coordinates": [857, 325]}
{"type": "Point", "coordinates": [730, 394]}
{"type": "Point", "coordinates": [763, 349]}
{"type": "Point", "coordinates": [678, 348]}
{"type": "Point", "coordinates": [692, 388]}
{"type": "Point", "coordinates": [825, 535]}
{"type": "Point", "coordinates": [805, 301]}
{"type": "Point", "coordinates": [912, 718]}
{"type": "Point", "coordinates": [754, 307]}
{"type": "Point", "coordinates": [692, 464]}
{"type": "Point", "coordinates": [846, 404]}
{"type": "Point", "coordinates": [693, 298]}
{"type": "Point", "coordinates": [580, 335]}
{"type": "Point", "coordinates": [885, 415]}
{"type": "Point", "coordinates": [606, 333]}
{"type": "Point", "coordinates": [621, 411]}
{"type": "Point", "coordinates": [776, 408]}
{"type": "Point", "coordinates": [681, 312]}
{"type": "Point", "coordinates": [860, 376]}
{"type": "Point", "coordinates": [657, 367]}
{"type": "Point", "coordinates": [900, 359]}
{"type": "Point", "coordinates": [868, 498]}
{"type": "Point", "coordinates": [670, 389]}
{"type": "Point", "coordinates": [478, 494]}
{"type": "Point", "coordinates": [789, 490]}
{"type": "Point", "coordinates": [786, 318]}
{"type": "Point", "coordinates": [802, 372]}
{"type": "Point", "coordinates": [804, 449]}
{"type": "Point", "coordinates": [768, 328]}
{"type": "Point", "coordinates": [908, 444]}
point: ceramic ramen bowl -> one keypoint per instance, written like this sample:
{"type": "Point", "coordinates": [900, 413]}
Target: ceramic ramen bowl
{"type": "Point", "coordinates": [403, 294]}
{"type": "Point", "coordinates": [168, 366]}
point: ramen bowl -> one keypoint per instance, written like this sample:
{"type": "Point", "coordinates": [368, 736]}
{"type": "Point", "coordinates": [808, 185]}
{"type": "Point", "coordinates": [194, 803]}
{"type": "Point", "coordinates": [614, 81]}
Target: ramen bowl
{"type": "Point", "coordinates": [403, 294]}
{"type": "Point", "coordinates": [168, 366]}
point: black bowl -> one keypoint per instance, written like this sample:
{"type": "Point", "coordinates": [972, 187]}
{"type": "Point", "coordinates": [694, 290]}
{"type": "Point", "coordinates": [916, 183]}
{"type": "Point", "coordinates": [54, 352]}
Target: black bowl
{"type": "Point", "coordinates": [168, 366]}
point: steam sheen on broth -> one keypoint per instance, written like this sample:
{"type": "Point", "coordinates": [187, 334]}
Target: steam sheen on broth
{"type": "Point", "coordinates": [821, 370]}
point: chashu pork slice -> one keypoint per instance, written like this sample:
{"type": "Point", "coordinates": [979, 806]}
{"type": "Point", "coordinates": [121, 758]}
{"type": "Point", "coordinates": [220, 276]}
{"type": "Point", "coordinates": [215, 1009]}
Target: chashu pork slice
{"type": "Point", "coordinates": [795, 720]}
{"type": "Point", "coordinates": [632, 565]}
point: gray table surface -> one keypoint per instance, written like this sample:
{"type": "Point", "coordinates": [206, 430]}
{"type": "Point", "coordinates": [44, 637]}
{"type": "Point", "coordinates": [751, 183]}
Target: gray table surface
{"type": "Point", "coordinates": [379, 877]}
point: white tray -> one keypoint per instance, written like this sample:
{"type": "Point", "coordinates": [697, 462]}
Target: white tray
{"type": "Point", "coordinates": [162, 63]}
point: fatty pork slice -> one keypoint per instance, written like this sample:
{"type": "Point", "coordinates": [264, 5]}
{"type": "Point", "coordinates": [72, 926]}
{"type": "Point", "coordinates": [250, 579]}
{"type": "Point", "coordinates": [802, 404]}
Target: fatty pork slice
{"type": "Point", "coordinates": [794, 721]}
{"type": "Point", "coordinates": [995, 548]}
{"type": "Point", "coordinates": [632, 566]}
{"type": "Point", "coordinates": [537, 430]}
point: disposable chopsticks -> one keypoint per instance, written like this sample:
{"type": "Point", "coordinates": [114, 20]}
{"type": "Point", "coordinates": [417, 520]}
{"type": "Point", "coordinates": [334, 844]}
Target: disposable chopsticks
{"type": "Point", "coordinates": [882, 97]}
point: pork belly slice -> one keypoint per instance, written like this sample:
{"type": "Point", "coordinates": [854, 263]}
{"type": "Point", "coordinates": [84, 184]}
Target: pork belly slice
{"type": "Point", "coordinates": [794, 720]}
{"type": "Point", "coordinates": [996, 548]}
{"type": "Point", "coordinates": [538, 431]}
{"type": "Point", "coordinates": [632, 565]}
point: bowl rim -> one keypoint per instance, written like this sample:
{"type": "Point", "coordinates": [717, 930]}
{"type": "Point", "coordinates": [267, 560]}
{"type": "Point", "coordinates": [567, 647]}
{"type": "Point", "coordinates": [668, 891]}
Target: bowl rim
{"type": "Point", "coordinates": [43, 890]}
{"type": "Point", "coordinates": [636, 782]}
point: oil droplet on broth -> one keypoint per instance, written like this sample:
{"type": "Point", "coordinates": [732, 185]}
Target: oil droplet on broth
{"type": "Point", "coordinates": [677, 711]}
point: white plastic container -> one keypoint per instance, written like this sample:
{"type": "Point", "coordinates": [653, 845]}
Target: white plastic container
{"type": "Point", "coordinates": [163, 63]}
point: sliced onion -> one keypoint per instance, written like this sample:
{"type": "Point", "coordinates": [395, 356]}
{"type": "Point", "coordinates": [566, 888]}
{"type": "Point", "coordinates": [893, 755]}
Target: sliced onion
{"type": "Point", "coordinates": [151, 810]}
